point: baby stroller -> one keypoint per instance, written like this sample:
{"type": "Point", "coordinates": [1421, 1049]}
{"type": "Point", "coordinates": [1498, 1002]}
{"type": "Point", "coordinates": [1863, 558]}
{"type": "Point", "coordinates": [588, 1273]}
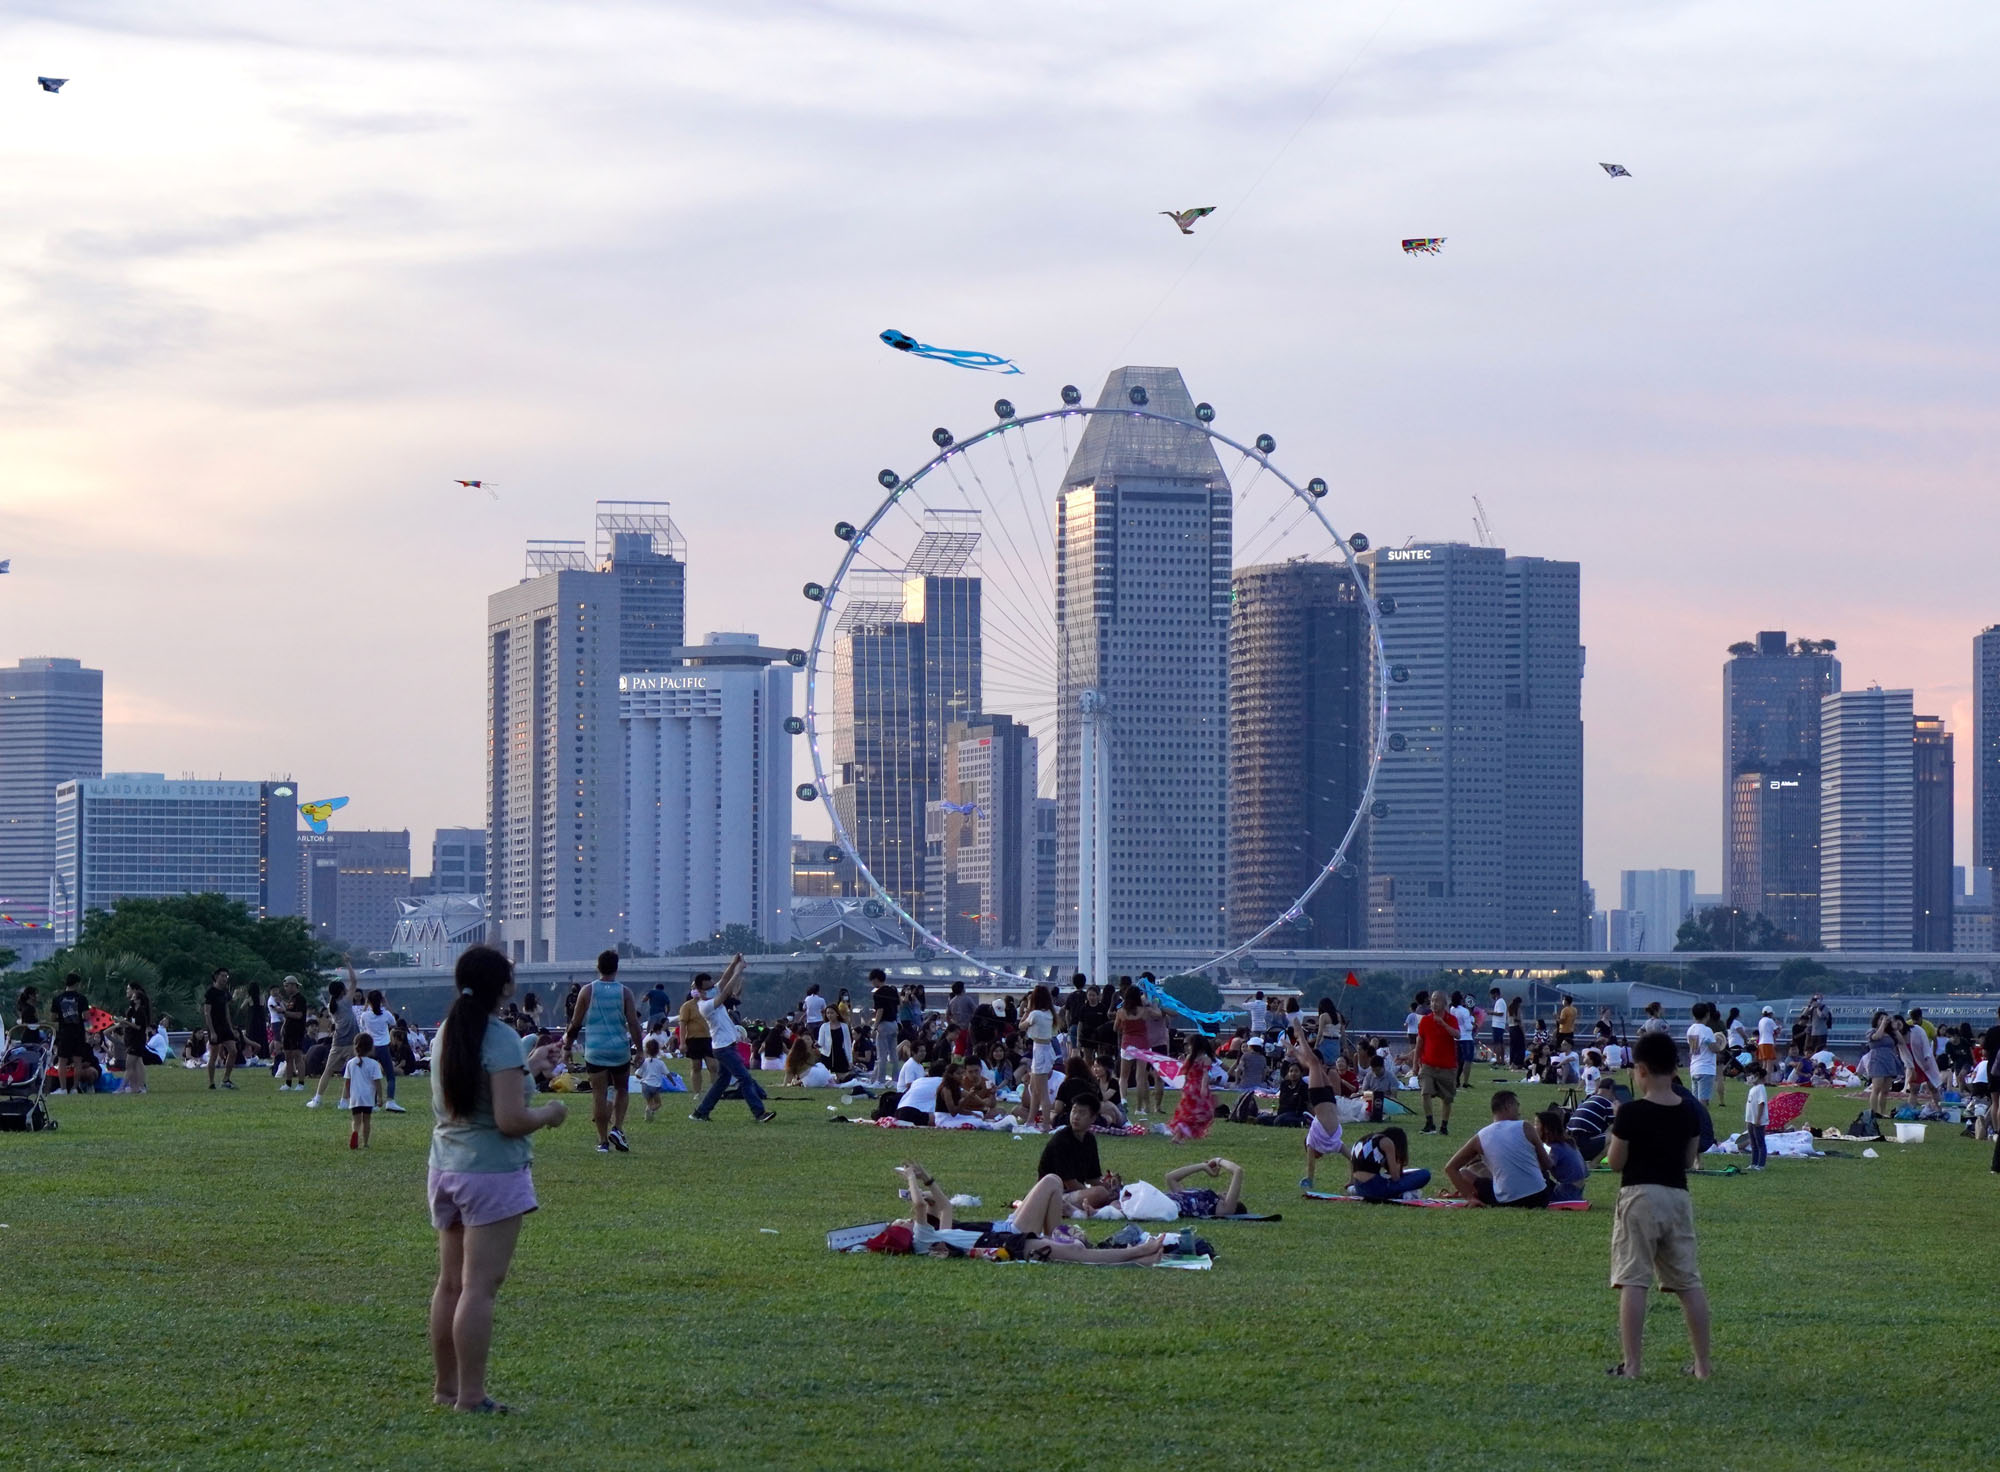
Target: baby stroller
{"type": "Point", "coordinates": [24, 1084]}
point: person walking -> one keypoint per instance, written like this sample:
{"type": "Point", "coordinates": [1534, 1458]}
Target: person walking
{"type": "Point", "coordinates": [729, 1063]}
{"type": "Point", "coordinates": [479, 1185]}
{"type": "Point", "coordinates": [607, 1019]}
{"type": "Point", "coordinates": [221, 1034]}
{"type": "Point", "coordinates": [346, 1026]}
{"type": "Point", "coordinates": [1437, 1061]}
{"type": "Point", "coordinates": [376, 1023]}
{"type": "Point", "coordinates": [1702, 1048]}
{"type": "Point", "coordinates": [138, 1024]}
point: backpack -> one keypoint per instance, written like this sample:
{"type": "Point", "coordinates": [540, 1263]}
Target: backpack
{"type": "Point", "coordinates": [1864, 1127]}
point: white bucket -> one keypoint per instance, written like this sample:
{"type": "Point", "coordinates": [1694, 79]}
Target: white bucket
{"type": "Point", "coordinates": [1909, 1134]}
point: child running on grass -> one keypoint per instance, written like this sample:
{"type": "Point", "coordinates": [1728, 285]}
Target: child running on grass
{"type": "Point", "coordinates": [1654, 1138]}
{"type": "Point", "coordinates": [360, 1087]}
{"type": "Point", "coordinates": [1756, 1114]}
{"type": "Point", "coordinates": [652, 1077]}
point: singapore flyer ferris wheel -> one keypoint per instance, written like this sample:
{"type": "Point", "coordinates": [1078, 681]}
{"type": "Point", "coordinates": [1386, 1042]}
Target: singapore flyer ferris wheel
{"type": "Point", "coordinates": [1100, 678]}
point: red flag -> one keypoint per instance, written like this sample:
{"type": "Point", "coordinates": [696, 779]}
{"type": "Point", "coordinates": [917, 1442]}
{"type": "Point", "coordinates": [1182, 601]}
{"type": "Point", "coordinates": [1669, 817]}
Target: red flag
{"type": "Point", "coordinates": [1351, 981]}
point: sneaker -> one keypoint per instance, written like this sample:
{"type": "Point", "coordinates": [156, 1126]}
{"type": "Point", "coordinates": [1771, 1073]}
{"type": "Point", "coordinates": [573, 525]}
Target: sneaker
{"type": "Point", "coordinates": [392, 1107]}
{"type": "Point", "coordinates": [1428, 1129]}
{"type": "Point", "coordinates": [227, 1084]}
{"type": "Point", "coordinates": [618, 1142]}
{"type": "Point", "coordinates": [699, 1118]}
{"type": "Point", "coordinates": [1444, 1129]}
{"type": "Point", "coordinates": [342, 1104]}
{"type": "Point", "coordinates": [211, 1083]}
{"type": "Point", "coordinates": [313, 1102]}
{"type": "Point", "coordinates": [767, 1116]}
{"type": "Point", "coordinates": [602, 1148]}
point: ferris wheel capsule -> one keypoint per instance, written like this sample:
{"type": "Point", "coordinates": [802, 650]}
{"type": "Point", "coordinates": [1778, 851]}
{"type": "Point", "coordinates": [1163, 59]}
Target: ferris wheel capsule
{"type": "Point", "coordinates": [1378, 809]}
{"type": "Point", "coordinates": [844, 530]}
{"type": "Point", "coordinates": [1266, 443]}
{"type": "Point", "coordinates": [941, 437]}
{"type": "Point", "coordinates": [1359, 541]}
{"type": "Point", "coordinates": [794, 726]}
{"type": "Point", "coordinates": [796, 658]}
{"type": "Point", "coordinates": [815, 592]}
{"type": "Point", "coordinates": [1386, 604]}
{"type": "Point", "coordinates": [888, 479]}
{"type": "Point", "coordinates": [1400, 674]}
{"type": "Point", "coordinates": [1072, 395]}
{"type": "Point", "coordinates": [806, 792]}
{"type": "Point", "coordinates": [831, 854]}
{"type": "Point", "coordinates": [1317, 487]}
{"type": "Point", "coordinates": [1398, 741]}
{"type": "Point", "coordinates": [1003, 409]}
{"type": "Point", "coordinates": [1205, 413]}
{"type": "Point", "coordinates": [1137, 394]}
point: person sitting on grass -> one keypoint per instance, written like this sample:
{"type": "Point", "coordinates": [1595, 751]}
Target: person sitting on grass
{"type": "Point", "coordinates": [1589, 1126]}
{"type": "Point", "coordinates": [1035, 1232]}
{"type": "Point", "coordinates": [1570, 1168]}
{"type": "Point", "coordinates": [1090, 1077]}
{"type": "Point", "coordinates": [1071, 1156]}
{"type": "Point", "coordinates": [1200, 1201]}
{"type": "Point", "coordinates": [1654, 1140]}
{"type": "Point", "coordinates": [1517, 1170]}
{"type": "Point", "coordinates": [918, 1104]}
{"type": "Point", "coordinates": [1378, 1169]}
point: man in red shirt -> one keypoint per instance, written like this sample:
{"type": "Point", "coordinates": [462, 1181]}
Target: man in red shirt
{"type": "Point", "coordinates": [1437, 1061]}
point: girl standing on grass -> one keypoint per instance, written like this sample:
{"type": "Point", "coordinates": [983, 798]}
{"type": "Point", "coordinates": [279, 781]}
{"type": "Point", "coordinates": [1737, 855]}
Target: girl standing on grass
{"type": "Point", "coordinates": [1196, 1110]}
{"type": "Point", "coordinates": [480, 1187]}
{"type": "Point", "coordinates": [1756, 1113]}
{"type": "Point", "coordinates": [138, 1025]}
{"type": "Point", "coordinates": [361, 1091]}
{"type": "Point", "coordinates": [1041, 1032]}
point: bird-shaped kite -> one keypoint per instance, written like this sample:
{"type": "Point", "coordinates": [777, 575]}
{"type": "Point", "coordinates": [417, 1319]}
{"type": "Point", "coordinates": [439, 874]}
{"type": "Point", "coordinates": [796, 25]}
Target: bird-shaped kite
{"type": "Point", "coordinates": [1423, 245]}
{"type": "Point", "coordinates": [1186, 218]}
{"type": "Point", "coordinates": [6, 564]}
{"type": "Point", "coordinates": [480, 485]}
{"type": "Point", "coordinates": [902, 342]}
{"type": "Point", "coordinates": [316, 813]}
{"type": "Point", "coordinates": [1616, 171]}
{"type": "Point", "coordinates": [52, 84]}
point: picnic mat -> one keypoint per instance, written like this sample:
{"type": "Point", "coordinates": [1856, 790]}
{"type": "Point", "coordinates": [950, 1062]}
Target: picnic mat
{"type": "Point", "coordinates": [1437, 1201]}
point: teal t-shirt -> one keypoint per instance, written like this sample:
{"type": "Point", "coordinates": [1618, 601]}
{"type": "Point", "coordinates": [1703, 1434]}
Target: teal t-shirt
{"type": "Point", "coordinates": [475, 1144]}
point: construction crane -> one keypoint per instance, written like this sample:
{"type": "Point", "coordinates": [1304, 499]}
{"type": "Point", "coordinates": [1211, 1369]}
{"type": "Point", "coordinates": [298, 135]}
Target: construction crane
{"type": "Point", "coordinates": [1480, 525]}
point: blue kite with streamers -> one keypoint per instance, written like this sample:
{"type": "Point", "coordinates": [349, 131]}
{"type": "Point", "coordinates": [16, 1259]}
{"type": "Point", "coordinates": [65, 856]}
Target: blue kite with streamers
{"type": "Point", "coordinates": [1206, 1021]}
{"type": "Point", "coordinates": [902, 342]}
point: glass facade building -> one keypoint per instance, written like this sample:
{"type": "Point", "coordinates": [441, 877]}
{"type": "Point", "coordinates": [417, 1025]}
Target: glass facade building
{"type": "Point", "coordinates": [1867, 811]}
{"type": "Point", "coordinates": [1772, 689]}
{"type": "Point", "coordinates": [51, 731]}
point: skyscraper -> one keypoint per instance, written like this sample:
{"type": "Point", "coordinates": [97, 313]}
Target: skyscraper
{"type": "Point", "coordinates": [356, 878]}
{"type": "Point", "coordinates": [51, 732]}
{"type": "Point", "coordinates": [1771, 695]}
{"type": "Point", "coordinates": [639, 545]}
{"type": "Point", "coordinates": [1933, 884]}
{"type": "Point", "coordinates": [1867, 856]}
{"type": "Point", "coordinates": [708, 779]}
{"type": "Point", "coordinates": [980, 851]}
{"type": "Point", "coordinates": [555, 778]}
{"type": "Point", "coordinates": [1986, 748]}
{"type": "Point", "coordinates": [1655, 902]}
{"type": "Point", "coordinates": [458, 861]}
{"type": "Point", "coordinates": [1298, 744]}
{"type": "Point", "coordinates": [1542, 887]}
{"type": "Point", "coordinates": [1143, 552]}
{"type": "Point", "coordinates": [1436, 858]}
{"type": "Point", "coordinates": [906, 665]}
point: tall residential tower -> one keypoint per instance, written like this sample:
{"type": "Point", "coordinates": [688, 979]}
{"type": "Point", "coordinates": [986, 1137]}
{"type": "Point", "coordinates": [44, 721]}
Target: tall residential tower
{"type": "Point", "coordinates": [1771, 695]}
{"type": "Point", "coordinates": [1867, 852]}
{"type": "Point", "coordinates": [51, 732]}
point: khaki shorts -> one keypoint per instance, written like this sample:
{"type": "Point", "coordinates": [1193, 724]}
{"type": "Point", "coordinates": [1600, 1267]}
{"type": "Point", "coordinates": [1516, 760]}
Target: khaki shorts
{"type": "Point", "coordinates": [1652, 1235]}
{"type": "Point", "coordinates": [1438, 1083]}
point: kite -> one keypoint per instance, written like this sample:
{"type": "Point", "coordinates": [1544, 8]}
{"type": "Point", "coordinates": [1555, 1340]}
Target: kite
{"type": "Point", "coordinates": [99, 1020]}
{"type": "Point", "coordinates": [902, 342]}
{"type": "Point", "coordinates": [1203, 1020]}
{"type": "Point", "coordinates": [25, 924]}
{"type": "Point", "coordinates": [1616, 171]}
{"type": "Point", "coordinates": [480, 485]}
{"type": "Point", "coordinates": [6, 564]}
{"type": "Point", "coordinates": [316, 813]}
{"type": "Point", "coordinates": [968, 808]}
{"type": "Point", "coordinates": [1186, 218]}
{"type": "Point", "coordinates": [1423, 244]}
{"type": "Point", "coordinates": [52, 84]}
{"type": "Point", "coordinates": [1353, 980]}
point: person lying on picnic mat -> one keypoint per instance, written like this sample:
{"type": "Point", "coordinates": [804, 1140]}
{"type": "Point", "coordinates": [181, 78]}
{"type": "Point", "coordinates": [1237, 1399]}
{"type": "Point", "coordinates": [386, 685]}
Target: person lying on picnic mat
{"type": "Point", "coordinates": [1035, 1232]}
{"type": "Point", "coordinates": [1517, 1169]}
{"type": "Point", "coordinates": [1200, 1200]}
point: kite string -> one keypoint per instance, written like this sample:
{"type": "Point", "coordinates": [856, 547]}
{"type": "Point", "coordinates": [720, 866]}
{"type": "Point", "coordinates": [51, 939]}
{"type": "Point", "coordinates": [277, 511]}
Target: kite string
{"type": "Point", "coordinates": [1210, 237]}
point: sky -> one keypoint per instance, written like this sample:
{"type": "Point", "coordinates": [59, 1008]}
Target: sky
{"type": "Point", "coordinates": [271, 278]}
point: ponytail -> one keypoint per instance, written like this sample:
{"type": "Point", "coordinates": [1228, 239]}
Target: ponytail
{"type": "Point", "coordinates": [482, 975]}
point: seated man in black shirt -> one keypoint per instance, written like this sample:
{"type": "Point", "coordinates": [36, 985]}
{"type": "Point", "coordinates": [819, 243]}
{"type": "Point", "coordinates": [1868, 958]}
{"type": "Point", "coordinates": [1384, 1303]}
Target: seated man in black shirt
{"type": "Point", "coordinates": [1071, 1156]}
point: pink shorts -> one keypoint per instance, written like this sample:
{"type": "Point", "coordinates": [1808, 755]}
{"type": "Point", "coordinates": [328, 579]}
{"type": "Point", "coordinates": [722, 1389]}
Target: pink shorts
{"type": "Point", "coordinates": [461, 1198]}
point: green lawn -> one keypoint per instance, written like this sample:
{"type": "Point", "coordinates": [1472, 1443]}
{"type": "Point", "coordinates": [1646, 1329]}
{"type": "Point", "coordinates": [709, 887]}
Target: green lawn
{"type": "Point", "coordinates": [214, 1280]}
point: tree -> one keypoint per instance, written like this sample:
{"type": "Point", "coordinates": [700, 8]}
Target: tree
{"type": "Point", "coordinates": [1726, 928]}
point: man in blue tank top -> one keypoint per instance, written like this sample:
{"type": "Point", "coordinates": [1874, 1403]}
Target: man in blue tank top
{"type": "Point", "coordinates": [608, 1021]}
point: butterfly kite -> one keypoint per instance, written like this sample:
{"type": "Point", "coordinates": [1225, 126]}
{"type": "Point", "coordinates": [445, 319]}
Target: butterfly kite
{"type": "Point", "coordinates": [902, 342]}
{"type": "Point", "coordinates": [316, 813]}
{"type": "Point", "coordinates": [1186, 218]}
{"type": "Point", "coordinates": [25, 924]}
{"type": "Point", "coordinates": [1423, 245]}
{"type": "Point", "coordinates": [1616, 171]}
{"type": "Point", "coordinates": [967, 808]}
{"type": "Point", "coordinates": [480, 485]}
{"type": "Point", "coordinates": [52, 84]}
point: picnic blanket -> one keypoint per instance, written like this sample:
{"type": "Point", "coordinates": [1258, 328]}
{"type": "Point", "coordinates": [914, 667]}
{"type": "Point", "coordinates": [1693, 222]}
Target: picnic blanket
{"type": "Point", "coordinates": [1436, 1201]}
{"type": "Point", "coordinates": [856, 1240]}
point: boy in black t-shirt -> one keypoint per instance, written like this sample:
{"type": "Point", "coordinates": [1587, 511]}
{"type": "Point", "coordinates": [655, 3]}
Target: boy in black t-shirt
{"type": "Point", "coordinates": [1654, 1139]}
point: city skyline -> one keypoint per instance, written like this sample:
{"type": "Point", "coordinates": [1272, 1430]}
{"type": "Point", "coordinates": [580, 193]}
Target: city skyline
{"type": "Point", "coordinates": [219, 484]}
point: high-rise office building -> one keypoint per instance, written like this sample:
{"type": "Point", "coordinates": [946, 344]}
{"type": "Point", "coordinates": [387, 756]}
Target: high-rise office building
{"type": "Point", "coordinates": [1932, 884]}
{"type": "Point", "coordinates": [555, 780]}
{"type": "Point", "coordinates": [51, 732]}
{"type": "Point", "coordinates": [907, 664]}
{"type": "Point", "coordinates": [979, 837]}
{"type": "Point", "coordinates": [1045, 868]}
{"type": "Point", "coordinates": [639, 545]}
{"type": "Point", "coordinates": [708, 781]}
{"type": "Point", "coordinates": [137, 835]}
{"type": "Point", "coordinates": [1654, 902]}
{"type": "Point", "coordinates": [1143, 556]}
{"type": "Point", "coordinates": [278, 860]}
{"type": "Point", "coordinates": [1867, 800]}
{"type": "Point", "coordinates": [458, 861]}
{"type": "Point", "coordinates": [1298, 745]}
{"type": "Point", "coordinates": [1986, 748]}
{"type": "Point", "coordinates": [1771, 694]}
{"type": "Point", "coordinates": [355, 880]}
{"type": "Point", "coordinates": [1435, 859]}
{"type": "Point", "coordinates": [1542, 889]}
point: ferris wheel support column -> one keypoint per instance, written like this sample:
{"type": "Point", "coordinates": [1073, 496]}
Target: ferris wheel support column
{"type": "Point", "coordinates": [1093, 846]}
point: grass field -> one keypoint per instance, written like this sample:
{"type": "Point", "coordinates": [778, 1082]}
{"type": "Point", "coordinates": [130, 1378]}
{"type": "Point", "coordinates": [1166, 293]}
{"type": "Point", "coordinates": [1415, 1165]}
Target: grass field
{"type": "Point", "coordinates": [214, 1280]}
